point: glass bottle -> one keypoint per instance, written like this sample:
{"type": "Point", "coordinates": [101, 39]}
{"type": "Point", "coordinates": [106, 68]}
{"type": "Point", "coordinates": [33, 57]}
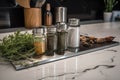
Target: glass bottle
{"type": "Point", "coordinates": [62, 38]}
{"type": "Point", "coordinates": [51, 41]}
{"type": "Point", "coordinates": [74, 34]}
{"type": "Point", "coordinates": [48, 16]}
{"type": "Point", "coordinates": [39, 40]}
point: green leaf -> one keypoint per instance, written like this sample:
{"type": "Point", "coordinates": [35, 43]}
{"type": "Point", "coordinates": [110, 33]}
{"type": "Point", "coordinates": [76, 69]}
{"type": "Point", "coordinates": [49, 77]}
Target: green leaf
{"type": "Point", "coordinates": [109, 5]}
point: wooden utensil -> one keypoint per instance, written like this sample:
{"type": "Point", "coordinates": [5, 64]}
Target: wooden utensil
{"type": "Point", "coordinates": [24, 3]}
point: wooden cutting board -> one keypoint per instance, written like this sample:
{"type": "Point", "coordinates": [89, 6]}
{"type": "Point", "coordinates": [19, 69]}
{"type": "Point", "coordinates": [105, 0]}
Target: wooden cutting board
{"type": "Point", "coordinates": [24, 3]}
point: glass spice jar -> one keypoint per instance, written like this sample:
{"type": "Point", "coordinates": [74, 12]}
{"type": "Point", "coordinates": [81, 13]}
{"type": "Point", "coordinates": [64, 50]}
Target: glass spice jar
{"type": "Point", "coordinates": [39, 40]}
{"type": "Point", "coordinates": [62, 33]}
{"type": "Point", "coordinates": [51, 41]}
{"type": "Point", "coordinates": [73, 34]}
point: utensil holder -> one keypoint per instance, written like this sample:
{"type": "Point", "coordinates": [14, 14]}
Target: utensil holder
{"type": "Point", "coordinates": [33, 17]}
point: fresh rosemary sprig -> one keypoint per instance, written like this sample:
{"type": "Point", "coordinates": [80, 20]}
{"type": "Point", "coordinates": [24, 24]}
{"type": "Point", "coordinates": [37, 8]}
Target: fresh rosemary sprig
{"type": "Point", "coordinates": [17, 46]}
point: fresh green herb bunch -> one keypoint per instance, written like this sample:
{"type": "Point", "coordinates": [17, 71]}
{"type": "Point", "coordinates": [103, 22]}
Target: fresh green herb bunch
{"type": "Point", "coordinates": [109, 4]}
{"type": "Point", "coordinates": [17, 46]}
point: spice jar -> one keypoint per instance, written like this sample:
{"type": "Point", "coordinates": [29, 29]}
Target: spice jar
{"type": "Point", "coordinates": [74, 34]}
{"type": "Point", "coordinates": [62, 34]}
{"type": "Point", "coordinates": [39, 40]}
{"type": "Point", "coordinates": [51, 41]}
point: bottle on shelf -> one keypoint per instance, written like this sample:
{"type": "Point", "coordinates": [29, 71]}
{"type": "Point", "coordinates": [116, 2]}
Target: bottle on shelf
{"type": "Point", "coordinates": [39, 40]}
{"type": "Point", "coordinates": [73, 34]}
{"type": "Point", "coordinates": [62, 37]}
{"type": "Point", "coordinates": [51, 41]}
{"type": "Point", "coordinates": [62, 30]}
{"type": "Point", "coordinates": [48, 15]}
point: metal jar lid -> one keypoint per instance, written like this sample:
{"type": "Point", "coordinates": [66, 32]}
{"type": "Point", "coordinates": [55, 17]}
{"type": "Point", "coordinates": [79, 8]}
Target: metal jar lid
{"type": "Point", "coordinates": [40, 30]}
{"type": "Point", "coordinates": [51, 30]}
{"type": "Point", "coordinates": [74, 22]}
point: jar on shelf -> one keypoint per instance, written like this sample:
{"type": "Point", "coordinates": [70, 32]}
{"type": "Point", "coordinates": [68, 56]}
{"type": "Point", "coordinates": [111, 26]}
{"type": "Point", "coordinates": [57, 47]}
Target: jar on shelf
{"type": "Point", "coordinates": [51, 41]}
{"type": "Point", "coordinates": [62, 41]}
{"type": "Point", "coordinates": [39, 40]}
{"type": "Point", "coordinates": [74, 34]}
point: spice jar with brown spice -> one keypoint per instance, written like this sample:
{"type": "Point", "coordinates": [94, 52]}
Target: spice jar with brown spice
{"type": "Point", "coordinates": [39, 40]}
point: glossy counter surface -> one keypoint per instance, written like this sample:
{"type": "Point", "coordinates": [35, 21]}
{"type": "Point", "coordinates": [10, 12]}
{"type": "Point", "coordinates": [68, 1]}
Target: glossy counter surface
{"type": "Point", "coordinates": [99, 65]}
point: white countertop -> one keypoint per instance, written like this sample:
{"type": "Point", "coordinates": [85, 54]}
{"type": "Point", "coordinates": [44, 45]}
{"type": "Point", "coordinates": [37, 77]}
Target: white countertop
{"type": "Point", "coordinates": [99, 65]}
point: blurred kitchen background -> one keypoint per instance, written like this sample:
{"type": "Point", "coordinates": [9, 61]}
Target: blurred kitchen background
{"type": "Point", "coordinates": [11, 14]}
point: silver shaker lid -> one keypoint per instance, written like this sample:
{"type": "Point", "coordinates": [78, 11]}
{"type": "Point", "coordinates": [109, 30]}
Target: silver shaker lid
{"type": "Point", "coordinates": [61, 14]}
{"type": "Point", "coordinates": [40, 30]}
{"type": "Point", "coordinates": [74, 22]}
{"type": "Point", "coordinates": [62, 26]}
{"type": "Point", "coordinates": [51, 30]}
